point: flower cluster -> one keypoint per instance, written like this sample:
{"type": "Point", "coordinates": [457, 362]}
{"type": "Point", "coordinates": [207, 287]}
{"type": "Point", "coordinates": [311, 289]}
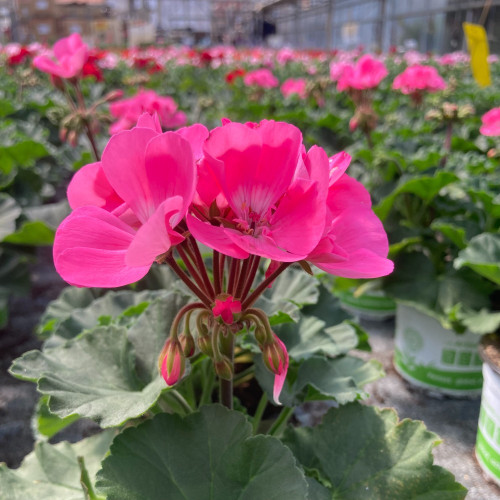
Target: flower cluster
{"type": "Point", "coordinates": [249, 192]}
{"type": "Point", "coordinates": [129, 110]}
{"type": "Point", "coordinates": [418, 79]}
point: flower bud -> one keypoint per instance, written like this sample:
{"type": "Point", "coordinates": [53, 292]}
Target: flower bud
{"type": "Point", "coordinates": [275, 357]}
{"type": "Point", "coordinates": [187, 343]}
{"type": "Point", "coordinates": [172, 362]}
{"type": "Point", "coordinates": [224, 368]}
{"type": "Point", "coordinates": [205, 345]}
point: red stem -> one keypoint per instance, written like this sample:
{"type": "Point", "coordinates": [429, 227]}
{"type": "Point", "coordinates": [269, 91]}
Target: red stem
{"type": "Point", "coordinates": [263, 285]}
{"type": "Point", "coordinates": [201, 266]}
{"type": "Point", "coordinates": [251, 276]}
{"type": "Point", "coordinates": [185, 278]}
{"type": "Point", "coordinates": [191, 268]}
{"type": "Point", "coordinates": [233, 273]}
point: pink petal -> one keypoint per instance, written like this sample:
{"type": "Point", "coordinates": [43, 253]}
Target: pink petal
{"type": "Point", "coordinates": [155, 236]}
{"type": "Point", "coordinates": [347, 192]}
{"type": "Point", "coordinates": [196, 135]}
{"type": "Point", "coordinates": [170, 169]}
{"type": "Point", "coordinates": [146, 120]}
{"type": "Point", "coordinates": [89, 186]}
{"type": "Point", "coordinates": [90, 248]}
{"type": "Point", "coordinates": [214, 237]}
{"type": "Point", "coordinates": [338, 165]}
{"type": "Point", "coordinates": [123, 161]}
{"type": "Point", "coordinates": [362, 263]}
{"type": "Point", "coordinates": [264, 246]}
{"type": "Point", "coordinates": [259, 163]}
{"type": "Point", "coordinates": [299, 221]}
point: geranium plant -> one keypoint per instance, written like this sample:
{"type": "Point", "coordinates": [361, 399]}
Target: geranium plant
{"type": "Point", "coordinates": [238, 214]}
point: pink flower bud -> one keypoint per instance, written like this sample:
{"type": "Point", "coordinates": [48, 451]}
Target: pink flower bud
{"type": "Point", "coordinates": [275, 357]}
{"type": "Point", "coordinates": [172, 362]}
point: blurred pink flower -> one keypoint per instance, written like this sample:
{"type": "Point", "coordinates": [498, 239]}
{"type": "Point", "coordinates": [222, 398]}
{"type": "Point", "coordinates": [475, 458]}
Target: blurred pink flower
{"type": "Point", "coordinates": [367, 73]}
{"type": "Point", "coordinates": [70, 55]}
{"type": "Point", "coordinates": [294, 86]}
{"type": "Point", "coordinates": [130, 109]}
{"type": "Point", "coordinates": [260, 78]}
{"type": "Point", "coordinates": [491, 123]}
{"type": "Point", "coordinates": [418, 79]}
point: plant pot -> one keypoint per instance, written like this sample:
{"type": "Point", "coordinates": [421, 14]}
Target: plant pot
{"type": "Point", "coordinates": [488, 432]}
{"type": "Point", "coordinates": [432, 357]}
{"type": "Point", "coordinates": [372, 306]}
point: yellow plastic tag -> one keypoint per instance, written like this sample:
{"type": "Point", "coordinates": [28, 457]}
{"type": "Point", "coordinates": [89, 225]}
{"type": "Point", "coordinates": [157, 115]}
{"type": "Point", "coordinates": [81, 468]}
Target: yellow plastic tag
{"type": "Point", "coordinates": [477, 43]}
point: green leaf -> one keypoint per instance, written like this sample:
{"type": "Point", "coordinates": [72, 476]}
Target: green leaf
{"type": "Point", "coordinates": [363, 452]}
{"type": "Point", "coordinates": [425, 187]}
{"type": "Point", "coordinates": [292, 290]}
{"type": "Point", "coordinates": [310, 336]}
{"type": "Point", "coordinates": [77, 309]}
{"type": "Point", "coordinates": [341, 379]}
{"type": "Point", "coordinates": [52, 472]}
{"type": "Point", "coordinates": [47, 424]}
{"type": "Point", "coordinates": [207, 455]}
{"type": "Point", "coordinates": [32, 233]}
{"type": "Point", "coordinates": [108, 374]}
{"type": "Point", "coordinates": [483, 256]}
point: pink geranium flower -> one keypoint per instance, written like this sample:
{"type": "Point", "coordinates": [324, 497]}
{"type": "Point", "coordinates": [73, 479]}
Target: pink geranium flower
{"type": "Point", "coordinates": [130, 109]}
{"type": "Point", "coordinates": [417, 79]}
{"type": "Point", "coordinates": [491, 123]}
{"type": "Point", "coordinates": [270, 212]}
{"type": "Point", "coordinates": [293, 86]}
{"type": "Point", "coordinates": [260, 78]}
{"type": "Point", "coordinates": [70, 55]}
{"type": "Point", "coordinates": [367, 73]}
{"type": "Point", "coordinates": [127, 206]}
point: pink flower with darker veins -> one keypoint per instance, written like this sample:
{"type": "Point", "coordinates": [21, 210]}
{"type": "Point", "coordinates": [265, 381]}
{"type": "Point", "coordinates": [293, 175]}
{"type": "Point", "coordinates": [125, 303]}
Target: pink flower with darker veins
{"type": "Point", "coordinates": [491, 123]}
{"type": "Point", "coordinates": [70, 55]}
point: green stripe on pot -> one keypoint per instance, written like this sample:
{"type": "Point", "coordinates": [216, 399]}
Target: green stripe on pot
{"type": "Point", "coordinates": [368, 302]}
{"type": "Point", "coordinates": [440, 379]}
{"type": "Point", "coordinates": [488, 457]}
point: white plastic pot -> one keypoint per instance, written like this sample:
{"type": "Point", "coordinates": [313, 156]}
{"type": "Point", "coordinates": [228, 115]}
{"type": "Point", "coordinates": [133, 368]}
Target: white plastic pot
{"type": "Point", "coordinates": [488, 433]}
{"type": "Point", "coordinates": [432, 357]}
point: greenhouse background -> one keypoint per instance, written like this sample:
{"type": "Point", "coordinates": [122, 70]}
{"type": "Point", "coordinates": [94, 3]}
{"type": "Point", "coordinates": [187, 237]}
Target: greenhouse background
{"type": "Point", "coordinates": [377, 25]}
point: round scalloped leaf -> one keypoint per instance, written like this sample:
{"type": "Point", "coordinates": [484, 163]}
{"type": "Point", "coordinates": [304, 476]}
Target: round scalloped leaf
{"type": "Point", "coordinates": [207, 455]}
{"type": "Point", "coordinates": [363, 452]}
{"type": "Point", "coordinates": [52, 472]}
{"type": "Point", "coordinates": [109, 373]}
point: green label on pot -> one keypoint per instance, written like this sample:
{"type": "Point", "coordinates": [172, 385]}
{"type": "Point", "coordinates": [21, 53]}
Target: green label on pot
{"type": "Point", "coordinates": [488, 432]}
{"type": "Point", "coordinates": [439, 378]}
{"type": "Point", "coordinates": [487, 455]}
{"type": "Point", "coordinates": [428, 355]}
